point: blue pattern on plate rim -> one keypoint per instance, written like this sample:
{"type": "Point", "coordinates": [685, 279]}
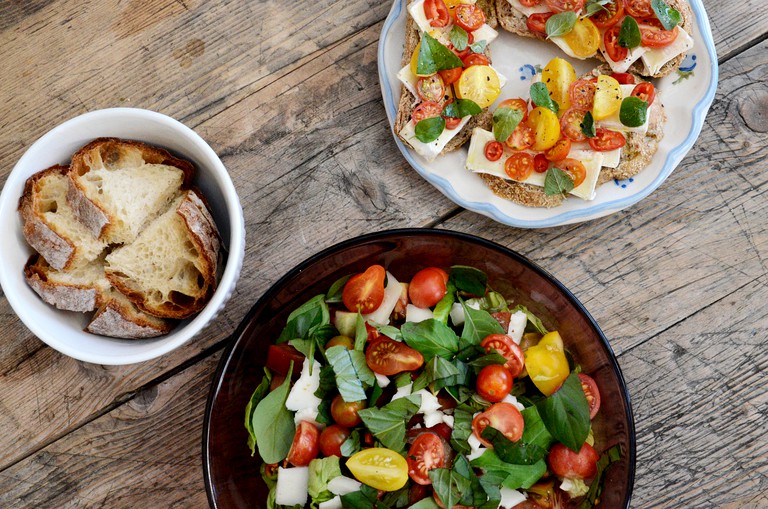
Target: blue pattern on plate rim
{"type": "Point", "coordinates": [623, 183]}
{"type": "Point", "coordinates": [673, 157]}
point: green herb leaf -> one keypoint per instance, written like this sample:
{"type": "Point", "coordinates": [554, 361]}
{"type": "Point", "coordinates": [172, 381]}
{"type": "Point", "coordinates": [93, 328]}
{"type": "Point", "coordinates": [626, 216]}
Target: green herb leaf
{"type": "Point", "coordinates": [633, 112]}
{"type": "Point", "coordinates": [431, 338]}
{"type": "Point", "coordinates": [593, 6]}
{"type": "Point", "coordinates": [505, 121]}
{"type": "Point", "coordinates": [443, 308]}
{"type": "Point", "coordinates": [514, 476]}
{"type": "Point", "coordinates": [534, 431]}
{"type": "Point", "coordinates": [517, 453]}
{"type": "Point", "coordinates": [363, 499]}
{"type": "Point", "coordinates": [566, 414]}
{"type": "Point", "coordinates": [434, 57]}
{"type": "Point", "coordinates": [561, 23]}
{"type": "Point", "coordinates": [468, 279]}
{"type": "Point", "coordinates": [425, 503]}
{"type": "Point", "coordinates": [273, 423]}
{"type": "Point", "coordinates": [320, 472]}
{"type": "Point", "coordinates": [479, 46]}
{"type": "Point", "coordinates": [361, 333]}
{"type": "Point", "coordinates": [352, 444]}
{"type": "Point", "coordinates": [487, 360]}
{"type": "Point", "coordinates": [477, 325]}
{"type": "Point", "coordinates": [461, 108]}
{"type": "Point", "coordinates": [629, 34]}
{"type": "Point", "coordinates": [441, 373]}
{"type": "Point", "coordinates": [352, 373]}
{"type": "Point", "coordinates": [397, 498]}
{"type": "Point", "coordinates": [334, 292]}
{"type": "Point", "coordinates": [540, 97]}
{"type": "Point", "coordinates": [391, 332]}
{"type": "Point", "coordinates": [462, 429]}
{"type": "Point", "coordinates": [429, 129]}
{"type": "Point", "coordinates": [492, 302]}
{"type": "Point", "coordinates": [557, 181]}
{"type": "Point", "coordinates": [588, 125]}
{"type": "Point", "coordinates": [534, 323]}
{"type": "Point", "coordinates": [310, 314]}
{"type": "Point", "coordinates": [388, 422]}
{"type": "Point", "coordinates": [375, 394]}
{"type": "Point", "coordinates": [449, 485]}
{"type": "Point", "coordinates": [669, 16]}
{"type": "Point", "coordinates": [596, 487]}
{"type": "Point", "coordinates": [458, 37]}
{"type": "Point", "coordinates": [261, 390]}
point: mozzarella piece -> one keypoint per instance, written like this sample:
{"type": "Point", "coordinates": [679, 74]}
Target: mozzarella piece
{"type": "Point", "coordinates": [408, 79]}
{"type": "Point", "coordinates": [510, 498]}
{"type": "Point", "coordinates": [448, 419]}
{"type": "Point", "coordinates": [431, 150]}
{"type": "Point", "coordinates": [391, 296]}
{"type": "Point", "coordinates": [382, 380]}
{"type": "Point", "coordinates": [457, 314]}
{"type": "Point", "coordinates": [540, 8]}
{"type": "Point", "coordinates": [292, 486]}
{"type": "Point", "coordinates": [516, 328]}
{"type": "Point", "coordinates": [613, 122]}
{"type": "Point", "coordinates": [342, 485]}
{"type": "Point", "coordinates": [402, 392]}
{"type": "Point", "coordinates": [415, 314]}
{"type": "Point", "coordinates": [513, 400]}
{"type": "Point", "coordinates": [433, 418]}
{"type": "Point", "coordinates": [302, 397]}
{"type": "Point", "coordinates": [334, 503]}
{"type": "Point", "coordinates": [622, 66]}
{"type": "Point", "coordinates": [655, 58]}
{"type": "Point", "coordinates": [429, 402]}
{"type": "Point", "coordinates": [484, 33]}
{"type": "Point", "coordinates": [476, 449]}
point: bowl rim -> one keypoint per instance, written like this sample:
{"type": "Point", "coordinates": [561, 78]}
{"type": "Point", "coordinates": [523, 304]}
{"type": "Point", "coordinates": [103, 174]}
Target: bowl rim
{"type": "Point", "coordinates": [233, 261]}
{"type": "Point", "coordinates": [237, 337]}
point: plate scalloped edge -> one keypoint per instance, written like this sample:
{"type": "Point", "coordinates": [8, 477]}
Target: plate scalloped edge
{"type": "Point", "coordinates": [673, 158]}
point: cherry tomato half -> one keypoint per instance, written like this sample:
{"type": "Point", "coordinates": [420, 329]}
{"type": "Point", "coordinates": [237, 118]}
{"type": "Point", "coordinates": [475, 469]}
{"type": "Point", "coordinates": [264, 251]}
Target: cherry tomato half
{"type": "Point", "coordinates": [591, 392]}
{"type": "Point", "coordinates": [655, 38]}
{"type": "Point", "coordinates": [503, 316]}
{"type": "Point", "coordinates": [639, 8]}
{"type": "Point", "coordinates": [537, 22]}
{"type": "Point", "coordinates": [346, 413]}
{"type": "Point", "coordinates": [582, 94]}
{"type": "Point", "coordinates": [521, 138]}
{"type": "Point", "coordinates": [574, 168]}
{"type": "Point", "coordinates": [475, 59]}
{"type": "Point", "coordinates": [365, 291]}
{"type": "Point", "coordinates": [494, 382]}
{"type": "Point", "coordinates": [389, 357]}
{"type": "Point", "coordinates": [494, 150]}
{"type": "Point", "coordinates": [559, 150]}
{"type": "Point", "coordinates": [331, 439]}
{"type": "Point", "coordinates": [436, 12]}
{"type": "Point", "coordinates": [279, 359]}
{"type": "Point", "coordinates": [609, 15]}
{"type": "Point", "coordinates": [469, 17]}
{"type": "Point", "coordinates": [540, 163]}
{"type": "Point", "coordinates": [566, 463]}
{"type": "Point", "coordinates": [426, 109]}
{"type": "Point", "coordinates": [570, 124]}
{"type": "Point", "coordinates": [565, 5]}
{"type": "Point", "coordinates": [426, 453]}
{"type": "Point", "coordinates": [508, 349]}
{"type": "Point", "coordinates": [624, 78]}
{"type": "Point", "coordinates": [519, 166]}
{"type": "Point", "coordinates": [428, 287]}
{"type": "Point", "coordinates": [379, 468]}
{"type": "Point", "coordinates": [645, 91]}
{"type": "Point", "coordinates": [517, 103]}
{"type": "Point", "coordinates": [611, 41]}
{"type": "Point", "coordinates": [530, 3]}
{"type": "Point", "coordinates": [451, 122]}
{"type": "Point", "coordinates": [606, 140]}
{"type": "Point", "coordinates": [305, 445]}
{"type": "Point", "coordinates": [505, 417]}
{"type": "Point", "coordinates": [431, 88]}
{"type": "Point", "coordinates": [450, 76]}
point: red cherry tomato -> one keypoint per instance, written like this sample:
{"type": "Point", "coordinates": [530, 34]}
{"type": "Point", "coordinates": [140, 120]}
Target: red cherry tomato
{"type": "Point", "coordinates": [475, 58]}
{"type": "Point", "coordinates": [418, 492]}
{"type": "Point", "coordinates": [305, 445]}
{"type": "Point", "coordinates": [530, 3]}
{"type": "Point", "coordinates": [428, 287]}
{"type": "Point", "coordinates": [469, 17]}
{"type": "Point", "coordinates": [426, 453]}
{"type": "Point", "coordinates": [650, 22]}
{"type": "Point", "coordinates": [655, 38]}
{"type": "Point", "coordinates": [331, 439]}
{"type": "Point", "coordinates": [436, 12]}
{"type": "Point", "coordinates": [582, 94]}
{"type": "Point", "coordinates": [624, 78]}
{"type": "Point", "coordinates": [389, 357]}
{"type": "Point", "coordinates": [537, 22]}
{"type": "Point", "coordinates": [430, 88]}
{"type": "Point", "coordinates": [494, 382]}
{"type": "Point", "coordinates": [365, 291]}
{"type": "Point", "coordinates": [639, 8]}
{"type": "Point", "coordinates": [611, 13]}
{"type": "Point", "coordinates": [521, 138]}
{"type": "Point", "coordinates": [494, 150]}
{"type": "Point", "coordinates": [451, 122]}
{"type": "Point", "coordinates": [504, 417]}
{"type": "Point", "coordinates": [346, 413]}
{"type": "Point", "coordinates": [516, 104]}
{"type": "Point", "coordinates": [503, 316]}
{"type": "Point", "coordinates": [279, 359]}
{"type": "Point", "coordinates": [565, 463]}
{"type": "Point", "coordinates": [574, 168]}
{"type": "Point", "coordinates": [426, 109]}
{"type": "Point", "coordinates": [519, 166]}
{"type": "Point", "coordinates": [508, 349]}
{"type": "Point", "coordinates": [540, 163]}
{"type": "Point", "coordinates": [565, 5]}
{"type": "Point", "coordinates": [606, 140]}
{"type": "Point", "coordinates": [589, 386]}
{"type": "Point", "coordinates": [645, 91]}
{"type": "Point", "coordinates": [559, 150]}
{"type": "Point", "coordinates": [570, 124]}
{"type": "Point", "coordinates": [450, 76]}
{"type": "Point", "coordinates": [611, 41]}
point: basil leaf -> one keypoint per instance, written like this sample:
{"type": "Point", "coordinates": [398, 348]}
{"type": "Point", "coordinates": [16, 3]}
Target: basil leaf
{"type": "Point", "coordinates": [669, 16]}
{"type": "Point", "coordinates": [397, 498]}
{"type": "Point", "coordinates": [561, 23]}
{"type": "Point", "coordinates": [629, 34]}
{"type": "Point", "coordinates": [588, 125]}
{"type": "Point", "coordinates": [458, 37]}
{"type": "Point", "coordinates": [449, 485]}
{"type": "Point", "coordinates": [322, 470]}
{"type": "Point", "coordinates": [434, 57]}
{"type": "Point", "coordinates": [431, 338]}
{"type": "Point", "coordinates": [534, 324]}
{"type": "Point", "coordinates": [566, 414]}
{"type": "Point", "coordinates": [469, 279]}
{"type": "Point", "coordinates": [362, 499]}
{"type": "Point", "coordinates": [505, 121]}
{"type": "Point", "coordinates": [462, 429]}
{"type": "Point", "coordinates": [352, 373]}
{"type": "Point", "coordinates": [334, 292]}
{"type": "Point", "coordinates": [443, 308]}
{"type": "Point", "coordinates": [487, 360]}
{"type": "Point", "coordinates": [517, 453]}
{"type": "Point", "coordinates": [540, 97]}
{"type": "Point", "coordinates": [534, 431]}
{"type": "Point", "coordinates": [556, 182]}
{"type": "Point", "coordinates": [375, 394]}
{"type": "Point", "coordinates": [477, 325]}
{"type": "Point", "coordinates": [402, 379]}
{"type": "Point", "coordinates": [425, 503]}
{"type": "Point", "coordinates": [479, 46]}
{"type": "Point", "coordinates": [361, 333]}
{"type": "Point", "coordinates": [352, 444]}
{"type": "Point", "coordinates": [261, 390]}
{"type": "Point", "coordinates": [391, 332]}
{"type": "Point", "coordinates": [475, 495]}
{"type": "Point", "coordinates": [327, 383]}
{"type": "Point", "coordinates": [514, 476]}
{"type": "Point", "coordinates": [633, 112]}
{"type": "Point", "coordinates": [444, 373]}
{"type": "Point", "coordinates": [324, 415]}
{"type": "Point", "coordinates": [273, 423]}
{"type": "Point", "coordinates": [593, 6]}
{"type": "Point", "coordinates": [302, 319]}
{"type": "Point", "coordinates": [429, 129]}
{"type": "Point", "coordinates": [596, 487]}
{"type": "Point", "coordinates": [388, 422]}
{"type": "Point", "coordinates": [461, 108]}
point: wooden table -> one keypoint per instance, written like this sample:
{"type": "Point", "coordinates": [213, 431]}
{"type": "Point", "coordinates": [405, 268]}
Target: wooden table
{"type": "Point", "coordinates": [287, 93]}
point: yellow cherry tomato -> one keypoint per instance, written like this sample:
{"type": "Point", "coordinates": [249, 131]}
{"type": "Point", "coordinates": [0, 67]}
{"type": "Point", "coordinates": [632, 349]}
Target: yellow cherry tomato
{"type": "Point", "coordinates": [546, 363]}
{"type": "Point", "coordinates": [480, 84]}
{"type": "Point", "coordinates": [607, 97]}
{"type": "Point", "coordinates": [379, 468]}
{"type": "Point", "coordinates": [558, 76]}
{"type": "Point", "coordinates": [584, 39]}
{"type": "Point", "coordinates": [546, 128]}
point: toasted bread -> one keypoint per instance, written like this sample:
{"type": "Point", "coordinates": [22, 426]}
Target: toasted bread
{"type": "Point", "coordinates": [78, 289]}
{"type": "Point", "coordinates": [118, 317]}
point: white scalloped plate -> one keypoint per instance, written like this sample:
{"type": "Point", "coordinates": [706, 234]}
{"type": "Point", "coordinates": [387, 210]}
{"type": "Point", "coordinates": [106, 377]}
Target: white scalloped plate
{"type": "Point", "coordinates": [687, 96]}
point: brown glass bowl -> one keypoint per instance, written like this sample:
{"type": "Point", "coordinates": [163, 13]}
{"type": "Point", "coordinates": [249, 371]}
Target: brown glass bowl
{"type": "Point", "coordinates": [232, 476]}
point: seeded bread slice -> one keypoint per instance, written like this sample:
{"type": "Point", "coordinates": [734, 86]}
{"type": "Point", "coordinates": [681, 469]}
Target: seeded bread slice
{"type": "Point", "coordinates": [170, 269]}
{"type": "Point", "coordinates": [49, 223]}
{"type": "Point", "coordinates": [119, 186]}
{"type": "Point", "coordinates": [118, 317]}
{"type": "Point", "coordinates": [78, 289]}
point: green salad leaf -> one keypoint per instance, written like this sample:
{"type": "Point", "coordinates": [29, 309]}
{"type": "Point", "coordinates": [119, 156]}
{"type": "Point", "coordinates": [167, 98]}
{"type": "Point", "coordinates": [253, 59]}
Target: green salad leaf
{"type": "Point", "coordinates": [352, 373]}
{"type": "Point", "coordinates": [443, 308]}
{"type": "Point", "coordinates": [478, 46]}
{"type": "Point", "coordinates": [334, 292]}
{"type": "Point", "coordinates": [425, 503]}
{"type": "Point", "coordinates": [669, 16]}
{"type": "Point", "coordinates": [461, 108]}
{"type": "Point", "coordinates": [486, 360]}
{"type": "Point", "coordinates": [322, 470]}
{"type": "Point", "coordinates": [458, 37]}
{"type": "Point", "coordinates": [310, 314]}
{"type": "Point", "coordinates": [593, 6]}
{"type": "Point", "coordinates": [388, 422]}
{"type": "Point", "coordinates": [273, 423]}
{"type": "Point", "coordinates": [540, 97]}
{"type": "Point", "coordinates": [534, 323]}
{"type": "Point", "coordinates": [261, 390]}
{"type": "Point", "coordinates": [557, 182]}
{"type": "Point", "coordinates": [429, 129]}
{"type": "Point", "coordinates": [462, 428]}
{"type": "Point", "coordinates": [505, 121]}
{"type": "Point", "coordinates": [566, 413]}
{"type": "Point", "coordinates": [588, 125]}
{"type": "Point", "coordinates": [449, 485]}
{"type": "Point", "coordinates": [361, 333]}
{"type": "Point", "coordinates": [596, 488]}
{"type": "Point", "coordinates": [365, 498]}
{"type": "Point", "coordinates": [431, 338]}
{"type": "Point", "coordinates": [514, 476]}
{"type": "Point", "coordinates": [434, 57]}
{"type": "Point", "coordinates": [468, 279]}
{"type": "Point", "coordinates": [629, 34]}
{"type": "Point", "coordinates": [352, 444]}
{"type": "Point", "coordinates": [561, 23]}
{"type": "Point", "coordinates": [477, 325]}
{"type": "Point", "coordinates": [517, 453]}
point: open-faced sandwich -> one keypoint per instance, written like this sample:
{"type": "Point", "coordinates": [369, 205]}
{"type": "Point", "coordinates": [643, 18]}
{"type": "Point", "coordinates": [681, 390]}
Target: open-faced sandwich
{"type": "Point", "coordinates": [576, 135]}
{"type": "Point", "coordinates": [448, 81]}
{"type": "Point", "coordinates": [646, 37]}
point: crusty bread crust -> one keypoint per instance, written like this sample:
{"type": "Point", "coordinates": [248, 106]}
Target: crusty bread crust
{"type": "Point", "coordinates": [68, 297]}
{"type": "Point", "coordinates": [514, 21]}
{"type": "Point", "coordinates": [119, 318]}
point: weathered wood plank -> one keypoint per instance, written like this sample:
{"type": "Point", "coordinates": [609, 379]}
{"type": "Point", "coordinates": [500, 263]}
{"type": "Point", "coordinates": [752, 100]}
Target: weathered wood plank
{"type": "Point", "coordinates": [736, 25]}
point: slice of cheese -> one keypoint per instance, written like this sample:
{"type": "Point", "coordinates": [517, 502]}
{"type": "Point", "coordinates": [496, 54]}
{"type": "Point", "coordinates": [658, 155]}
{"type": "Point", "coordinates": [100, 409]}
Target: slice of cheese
{"type": "Point", "coordinates": [613, 122]}
{"type": "Point", "coordinates": [484, 33]}
{"type": "Point", "coordinates": [408, 79]}
{"type": "Point", "coordinates": [431, 150]}
{"type": "Point", "coordinates": [540, 8]}
{"type": "Point", "coordinates": [592, 162]}
{"type": "Point", "coordinates": [611, 158]}
{"type": "Point", "coordinates": [654, 59]}
{"type": "Point", "coordinates": [416, 9]}
{"type": "Point", "coordinates": [622, 66]}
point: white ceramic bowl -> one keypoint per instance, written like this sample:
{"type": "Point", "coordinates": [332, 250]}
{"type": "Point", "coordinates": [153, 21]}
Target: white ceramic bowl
{"type": "Point", "coordinates": [63, 330]}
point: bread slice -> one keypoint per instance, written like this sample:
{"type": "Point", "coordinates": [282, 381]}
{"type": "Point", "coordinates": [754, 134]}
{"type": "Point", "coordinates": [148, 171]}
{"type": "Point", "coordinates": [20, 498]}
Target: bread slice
{"type": "Point", "coordinates": [170, 269]}
{"type": "Point", "coordinates": [49, 223]}
{"type": "Point", "coordinates": [78, 289]}
{"type": "Point", "coordinates": [514, 21]}
{"type": "Point", "coordinates": [119, 186]}
{"type": "Point", "coordinates": [118, 317]}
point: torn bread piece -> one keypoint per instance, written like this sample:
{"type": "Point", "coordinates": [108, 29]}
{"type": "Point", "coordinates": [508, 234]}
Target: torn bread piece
{"type": "Point", "coordinates": [80, 288]}
{"type": "Point", "coordinates": [118, 317]}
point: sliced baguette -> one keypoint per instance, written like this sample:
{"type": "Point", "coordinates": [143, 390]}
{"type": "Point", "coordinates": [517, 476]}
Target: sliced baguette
{"type": "Point", "coordinates": [78, 289]}
{"type": "Point", "coordinates": [49, 223]}
{"type": "Point", "coordinates": [119, 186]}
{"type": "Point", "coordinates": [118, 317]}
{"type": "Point", "coordinates": [170, 269]}
{"type": "Point", "coordinates": [514, 21]}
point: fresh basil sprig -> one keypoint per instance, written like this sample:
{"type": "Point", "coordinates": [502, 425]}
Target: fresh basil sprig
{"type": "Point", "coordinates": [505, 121]}
{"type": "Point", "coordinates": [434, 57]}
{"type": "Point", "coordinates": [461, 108]}
{"type": "Point", "coordinates": [633, 111]}
{"type": "Point", "coordinates": [669, 16]}
{"type": "Point", "coordinates": [388, 422]}
{"type": "Point", "coordinates": [273, 424]}
{"type": "Point", "coordinates": [430, 337]}
{"type": "Point", "coordinates": [629, 34]}
{"type": "Point", "coordinates": [556, 181]}
{"type": "Point", "coordinates": [561, 23]}
{"type": "Point", "coordinates": [458, 37]}
{"type": "Point", "coordinates": [566, 413]}
{"type": "Point", "coordinates": [479, 46]}
{"type": "Point", "coordinates": [352, 373]}
{"type": "Point", "coordinates": [593, 6]}
{"type": "Point", "coordinates": [429, 129]}
{"type": "Point", "coordinates": [540, 97]}
{"type": "Point", "coordinates": [469, 279]}
{"type": "Point", "coordinates": [588, 125]}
